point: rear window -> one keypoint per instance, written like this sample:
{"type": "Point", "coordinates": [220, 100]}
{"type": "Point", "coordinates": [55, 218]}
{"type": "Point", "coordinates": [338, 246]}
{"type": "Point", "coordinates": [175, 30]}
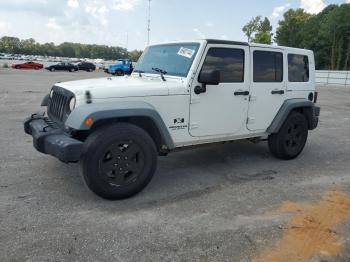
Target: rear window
{"type": "Point", "coordinates": [268, 66]}
{"type": "Point", "coordinates": [298, 68]}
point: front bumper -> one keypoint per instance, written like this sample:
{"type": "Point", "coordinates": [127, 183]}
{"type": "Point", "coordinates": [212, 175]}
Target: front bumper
{"type": "Point", "coordinates": [49, 138]}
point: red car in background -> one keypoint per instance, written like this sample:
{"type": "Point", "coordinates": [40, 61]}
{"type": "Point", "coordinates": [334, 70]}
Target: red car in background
{"type": "Point", "coordinates": [28, 65]}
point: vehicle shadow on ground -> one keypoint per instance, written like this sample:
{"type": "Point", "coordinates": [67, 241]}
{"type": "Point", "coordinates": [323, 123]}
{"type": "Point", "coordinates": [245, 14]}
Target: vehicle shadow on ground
{"type": "Point", "coordinates": [182, 175]}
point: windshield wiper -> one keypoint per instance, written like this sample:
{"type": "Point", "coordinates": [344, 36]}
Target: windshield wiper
{"type": "Point", "coordinates": [161, 71]}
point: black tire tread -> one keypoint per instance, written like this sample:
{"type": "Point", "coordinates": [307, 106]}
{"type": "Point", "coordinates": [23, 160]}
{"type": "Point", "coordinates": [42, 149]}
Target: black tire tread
{"type": "Point", "coordinates": [106, 133]}
{"type": "Point", "coordinates": [274, 141]}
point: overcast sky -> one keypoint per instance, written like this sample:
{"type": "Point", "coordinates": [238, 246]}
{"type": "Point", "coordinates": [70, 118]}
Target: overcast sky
{"type": "Point", "coordinates": [112, 22]}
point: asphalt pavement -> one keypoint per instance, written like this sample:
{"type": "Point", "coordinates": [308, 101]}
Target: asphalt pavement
{"type": "Point", "coordinates": [215, 203]}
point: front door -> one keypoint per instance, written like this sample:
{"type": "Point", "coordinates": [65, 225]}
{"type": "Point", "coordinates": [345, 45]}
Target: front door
{"type": "Point", "coordinates": [267, 88]}
{"type": "Point", "coordinates": [222, 109]}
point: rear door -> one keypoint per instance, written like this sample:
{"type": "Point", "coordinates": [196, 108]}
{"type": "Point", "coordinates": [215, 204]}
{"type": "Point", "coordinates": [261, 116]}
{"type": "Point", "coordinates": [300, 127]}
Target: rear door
{"type": "Point", "coordinates": [267, 88]}
{"type": "Point", "coordinates": [222, 109]}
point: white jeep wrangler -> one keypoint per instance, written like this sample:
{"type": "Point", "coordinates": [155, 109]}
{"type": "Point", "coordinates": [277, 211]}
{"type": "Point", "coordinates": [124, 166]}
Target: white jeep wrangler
{"type": "Point", "coordinates": [180, 94]}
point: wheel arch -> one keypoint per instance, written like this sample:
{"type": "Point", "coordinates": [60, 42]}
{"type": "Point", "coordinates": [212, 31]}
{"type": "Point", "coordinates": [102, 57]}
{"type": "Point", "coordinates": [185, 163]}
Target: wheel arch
{"type": "Point", "coordinates": [140, 114]}
{"type": "Point", "coordinates": [302, 106]}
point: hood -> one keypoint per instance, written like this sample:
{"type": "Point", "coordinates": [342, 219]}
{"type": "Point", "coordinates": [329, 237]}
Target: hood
{"type": "Point", "coordinates": [127, 86]}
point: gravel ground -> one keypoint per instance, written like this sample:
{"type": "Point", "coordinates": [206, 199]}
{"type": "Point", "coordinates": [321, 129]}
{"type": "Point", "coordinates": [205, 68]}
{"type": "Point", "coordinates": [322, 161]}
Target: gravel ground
{"type": "Point", "coordinates": [216, 203]}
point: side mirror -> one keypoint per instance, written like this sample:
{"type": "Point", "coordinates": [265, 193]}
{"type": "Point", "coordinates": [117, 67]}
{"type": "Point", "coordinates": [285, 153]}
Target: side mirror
{"type": "Point", "coordinates": [209, 77]}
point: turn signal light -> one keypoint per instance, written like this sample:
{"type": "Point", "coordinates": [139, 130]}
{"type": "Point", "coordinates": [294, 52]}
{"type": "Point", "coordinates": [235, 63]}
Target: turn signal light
{"type": "Point", "coordinates": [89, 121]}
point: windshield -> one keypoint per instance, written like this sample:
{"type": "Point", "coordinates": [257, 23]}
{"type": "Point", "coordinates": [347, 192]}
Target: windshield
{"type": "Point", "coordinates": [175, 59]}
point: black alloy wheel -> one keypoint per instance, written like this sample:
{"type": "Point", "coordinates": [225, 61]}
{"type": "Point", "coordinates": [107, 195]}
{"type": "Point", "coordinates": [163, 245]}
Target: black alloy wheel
{"type": "Point", "coordinates": [121, 163]}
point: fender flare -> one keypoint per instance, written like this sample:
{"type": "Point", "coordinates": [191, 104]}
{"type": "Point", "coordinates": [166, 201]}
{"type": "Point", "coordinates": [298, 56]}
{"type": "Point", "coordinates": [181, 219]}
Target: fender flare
{"type": "Point", "coordinates": [285, 110]}
{"type": "Point", "coordinates": [112, 110]}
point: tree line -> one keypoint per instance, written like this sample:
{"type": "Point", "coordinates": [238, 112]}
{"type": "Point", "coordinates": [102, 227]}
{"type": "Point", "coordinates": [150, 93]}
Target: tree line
{"type": "Point", "coordinates": [326, 33]}
{"type": "Point", "coordinates": [14, 45]}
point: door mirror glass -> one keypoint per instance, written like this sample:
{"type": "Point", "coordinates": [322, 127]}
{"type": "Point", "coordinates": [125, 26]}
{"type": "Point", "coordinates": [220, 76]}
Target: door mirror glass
{"type": "Point", "coordinates": [209, 77]}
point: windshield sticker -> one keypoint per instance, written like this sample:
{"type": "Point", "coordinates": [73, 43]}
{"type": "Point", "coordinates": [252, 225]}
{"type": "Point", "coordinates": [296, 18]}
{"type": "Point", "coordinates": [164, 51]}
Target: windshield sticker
{"type": "Point", "coordinates": [186, 52]}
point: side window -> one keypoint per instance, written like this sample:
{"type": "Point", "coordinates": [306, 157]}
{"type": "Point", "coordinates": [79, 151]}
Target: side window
{"type": "Point", "coordinates": [229, 61]}
{"type": "Point", "coordinates": [298, 68]}
{"type": "Point", "coordinates": [268, 66]}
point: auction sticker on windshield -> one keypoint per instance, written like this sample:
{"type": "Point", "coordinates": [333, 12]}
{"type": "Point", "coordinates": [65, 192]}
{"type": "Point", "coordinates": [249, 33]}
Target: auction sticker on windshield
{"type": "Point", "coordinates": [186, 52]}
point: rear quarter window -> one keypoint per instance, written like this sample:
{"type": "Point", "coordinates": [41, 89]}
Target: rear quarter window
{"type": "Point", "coordinates": [298, 68]}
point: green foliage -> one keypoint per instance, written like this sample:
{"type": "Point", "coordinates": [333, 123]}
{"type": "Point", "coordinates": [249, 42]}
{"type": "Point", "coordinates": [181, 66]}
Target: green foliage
{"type": "Point", "coordinates": [262, 38]}
{"type": "Point", "coordinates": [251, 27]}
{"type": "Point", "coordinates": [135, 55]}
{"type": "Point", "coordinates": [290, 30]}
{"type": "Point", "coordinates": [327, 34]}
{"type": "Point", "coordinates": [265, 25]}
{"type": "Point", "coordinates": [258, 31]}
{"type": "Point", "coordinates": [14, 45]}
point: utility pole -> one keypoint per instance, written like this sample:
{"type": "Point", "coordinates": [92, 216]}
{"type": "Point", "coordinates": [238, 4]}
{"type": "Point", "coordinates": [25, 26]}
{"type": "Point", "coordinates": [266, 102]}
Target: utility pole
{"type": "Point", "coordinates": [127, 40]}
{"type": "Point", "coordinates": [149, 22]}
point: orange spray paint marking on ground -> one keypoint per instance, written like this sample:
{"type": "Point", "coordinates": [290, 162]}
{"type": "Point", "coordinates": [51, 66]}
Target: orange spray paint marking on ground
{"type": "Point", "coordinates": [310, 232]}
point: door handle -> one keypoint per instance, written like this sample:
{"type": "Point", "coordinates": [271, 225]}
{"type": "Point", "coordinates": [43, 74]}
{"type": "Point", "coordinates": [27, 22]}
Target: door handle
{"type": "Point", "coordinates": [277, 92]}
{"type": "Point", "coordinates": [241, 93]}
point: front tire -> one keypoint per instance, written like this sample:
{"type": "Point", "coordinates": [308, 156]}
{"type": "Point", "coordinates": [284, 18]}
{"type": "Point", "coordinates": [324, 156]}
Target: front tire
{"type": "Point", "coordinates": [118, 161]}
{"type": "Point", "coordinates": [119, 72]}
{"type": "Point", "coordinates": [290, 141]}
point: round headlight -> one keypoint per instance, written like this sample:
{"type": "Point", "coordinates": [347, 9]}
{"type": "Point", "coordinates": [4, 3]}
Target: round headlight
{"type": "Point", "coordinates": [51, 93]}
{"type": "Point", "coordinates": [72, 103]}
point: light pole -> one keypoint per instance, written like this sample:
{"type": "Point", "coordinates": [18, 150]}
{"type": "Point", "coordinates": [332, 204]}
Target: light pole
{"type": "Point", "coordinates": [127, 40]}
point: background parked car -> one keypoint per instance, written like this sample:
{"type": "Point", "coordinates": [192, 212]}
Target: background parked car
{"type": "Point", "coordinates": [121, 67]}
{"type": "Point", "coordinates": [28, 65]}
{"type": "Point", "coordinates": [86, 66]}
{"type": "Point", "coordinates": [64, 66]}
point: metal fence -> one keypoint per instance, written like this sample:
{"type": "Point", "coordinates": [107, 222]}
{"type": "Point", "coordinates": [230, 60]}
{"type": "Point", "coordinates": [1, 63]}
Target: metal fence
{"type": "Point", "coordinates": [339, 78]}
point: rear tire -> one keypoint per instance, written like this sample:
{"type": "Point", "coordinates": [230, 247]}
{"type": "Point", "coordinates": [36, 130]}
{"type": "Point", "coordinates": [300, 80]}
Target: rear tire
{"type": "Point", "coordinates": [18, 67]}
{"type": "Point", "coordinates": [290, 141]}
{"type": "Point", "coordinates": [118, 161]}
{"type": "Point", "coordinates": [52, 69]}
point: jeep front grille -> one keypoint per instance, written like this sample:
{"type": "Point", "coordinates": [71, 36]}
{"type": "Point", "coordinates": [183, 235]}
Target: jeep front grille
{"type": "Point", "coordinates": [58, 108]}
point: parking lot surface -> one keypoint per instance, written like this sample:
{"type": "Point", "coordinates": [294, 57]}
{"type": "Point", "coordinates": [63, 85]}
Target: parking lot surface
{"type": "Point", "coordinates": [230, 202]}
